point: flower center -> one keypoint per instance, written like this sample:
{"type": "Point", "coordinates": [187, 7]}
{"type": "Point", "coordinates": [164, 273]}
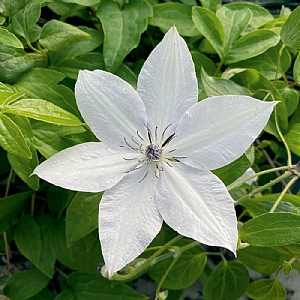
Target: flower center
{"type": "Point", "coordinates": [153, 152]}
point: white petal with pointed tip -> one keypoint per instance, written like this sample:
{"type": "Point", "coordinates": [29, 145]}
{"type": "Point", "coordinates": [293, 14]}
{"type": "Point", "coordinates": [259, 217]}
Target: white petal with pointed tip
{"type": "Point", "coordinates": [218, 130]}
{"type": "Point", "coordinates": [88, 167]}
{"type": "Point", "coordinates": [167, 82]}
{"type": "Point", "coordinates": [128, 219]}
{"type": "Point", "coordinates": [196, 204]}
{"type": "Point", "coordinates": [110, 106]}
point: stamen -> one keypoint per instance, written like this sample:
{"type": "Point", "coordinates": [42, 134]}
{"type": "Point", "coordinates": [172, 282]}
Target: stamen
{"type": "Point", "coordinates": [138, 167]}
{"type": "Point", "coordinates": [155, 133]}
{"type": "Point", "coordinates": [137, 149]}
{"type": "Point", "coordinates": [163, 133]}
{"type": "Point", "coordinates": [169, 139]}
{"type": "Point", "coordinates": [138, 134]}
{"type": "Point", "coordinates": [149, 134]}
{"type": "Point", "coordinates": [144, 177]}
{"type": "Point", "coordinates": [130, 158]}
{"type": "Point", "coordinates": [140, 145]}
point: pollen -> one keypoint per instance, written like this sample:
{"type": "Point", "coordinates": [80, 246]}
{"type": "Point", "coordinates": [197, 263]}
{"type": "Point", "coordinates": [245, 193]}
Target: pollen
{"type": "Point", "coordinates": [153, 152]}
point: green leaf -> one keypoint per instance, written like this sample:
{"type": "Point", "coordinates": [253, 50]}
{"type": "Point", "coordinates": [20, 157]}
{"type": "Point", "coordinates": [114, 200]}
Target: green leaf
{"type": "Point", "coordinates": [44, 294]}
{"type": "Point", "coordinates": [82, 2]}
{"type": "Point", "coordinates": [84, 255]}
{"type": "Point", "coordinates": [12, 139]}
{"type": "Point", "coordinates": [25, 20]}
{"type": "Point", "coordinates": [210, 26]}
{"type": "Point", "coordinates": [58, 199]}
{"type": "Point", "coordinates": [271, 229]}
{"type": "Point", "coordinates": [260, 15]}
{"type": "Point", "coordinates": [234, 23]}
{"type": "Point", "coordinates": [229, 280]}
{"type": "Point", "coordinates": [128, 25]}
{"type": "Point", "coordinates": [7, 95]}
{"type": "Point", "coordinates": [9, 38]}
{"type": "Point", "coordinates": [43, 111]}
{"type": "Point", "coordinates": [91, 287]}
{"type": "Point", "coordinates": [266, 289]}
{"type": "Point", "coordinates": [289, 33]}
{"type": "Point", "coordinates": [234, 170]}
{"type": "Point", "coordinates": [201, 60]}
{"type": "Point", "coordinates": [263, 260]}
{"type": "Point", "coordinates": [28, 239]}
{"type": "Point", "coordinates": [82, 216]}
{"type": "Point", "coordinates": [44, 84]}
{"type": "Point", "coordinates": [166, 15]}
{"type": "Point", "coordinates": [13, 63]}
{"type": "Point", "coordinates": [217, 86]}
{"type": "Point", "coordinates": [266, 63]}
{"type": "Point", "coordinates": [211, 4]}
{"type": "Point", "coordinates": [296, 69]}
{"type": "Point", "coordinates": [184, 272]}
{"type": "Point", "coordinates": [250, 45]}
{"type": "Point", "coordinates": [289, 96]}
{"type": "Point", "coordinates": [21, 165]}
{"type": "Point", "coordinates": [57, 35]}
{"type": "Point", "coordinates": [10, 207]}
{"type": "Point", "coordinates": [25, 284]}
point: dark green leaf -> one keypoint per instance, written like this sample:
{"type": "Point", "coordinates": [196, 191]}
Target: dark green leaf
{"type": "Point", "coordinates": [42, 295]}
{"type": "Point", "coordinates": [250, 45]}
{"type": "Point", "coordinates": [9, 38]}
{"type": "Point", "coordinates": [166, 15]}
{"type": "Point", "coordinates": [58, 199]}
{"type": "Point", "coordinates": [25, 284]}
{"type": "Point", "coordinates": [129, 23]}
{"type": "Point", "coordinates": [271, 229]}
{"type": "Point", "coordinates": [10, 207]}
{"type": "Point", "coordinates": [184, 272]}
{"type": "Point", "coordinates": [93, 287]}
{"type": "Point", "coordinates": [201, 60]}
{"type": "Point", "coordinates": [229, 280]}
{"type": "Point", "coordinates": [28, 239]}
{"type": "Point", "coordinates": [57, 35]}
{"type": "Point", "coordinates": [296, 70]}
{"type": "Point", "coordinates": [210, 26]}
{"type": "Point", "coordinates": [289, 96]}
{"type": "Point", "coordinates": [218, 86]}
{"type": "Point", "coordinates": [266, 289]}
{"type": "Point", "coordinates": [289, 33]}
{"type": "Point", "coordinates": [82, 216]}
{"type": "Point", "coordinates": [12, 139]}
{"type": "Point", "coordinates": [263, 260]}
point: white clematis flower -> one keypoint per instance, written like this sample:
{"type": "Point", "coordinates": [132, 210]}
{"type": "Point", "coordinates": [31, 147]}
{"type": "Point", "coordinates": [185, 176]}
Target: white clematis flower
{"type": "Point", "coordinates": [158, 147]}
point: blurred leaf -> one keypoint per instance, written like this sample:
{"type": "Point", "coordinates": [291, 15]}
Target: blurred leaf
{"type": "Point", "coordinates": [217, 86]}
{"type": "Point", "coordinates": [84, 255]}
{"type": "Point", "coordinates": [234, 23]}
{"type": "Point", "coordinates": [296, 69]}
{"type": "Point", "coordinates": [25, 284]}
{"type": "Point", "coordinates": [266, 289]}
{"type": "Point", "coordinates": [271, 229]}
{"type": "Point", "coordinates": [24, 20]}
{"type": "Point", "coordinates": [12, 139]}
{"type": "Point", "coordinates": [43, 111]}
{"type": "Point", "coordinates": [9, 38]}
{"type": "Point", "coordinates": [260, 15]}
{"type": "Point", "coordinates": [44, 84]}
{"type": "Point", "coordinates": [211, 4]}
{"type": "Point", "coordinates": [10, 207]}
{"type": "Point", "coordinates": [210, 26]}
{"type": "Point", "coordinates": [57, 35]}
{"type": "Point", "coordinates": [28, 239]}
{"type": "Point", "coordinates": [91, 287]}
{"type": "Point", "coordinates": [166, 15]}
{"type": "Point", "coordinates": [260, 259]}
{"type": "Point", "coordinates": [13, 63]}
{"type": "Point", "coordinates": [82, 216]}
{"type": "Point", "coordinates": [229, 280]}
{"type": "Point", "coordinates": [289, 33]}
{"type": "Point", "coordinates": [128, 25]}
{"type": "Point", "coordinates": [184, 272]}
{"type": "Point", "coordinates": [266, 63]}
{"type": "Point", "coordinates": [250, 45]}
{"type": "Point", "coordinates": [82, 2]}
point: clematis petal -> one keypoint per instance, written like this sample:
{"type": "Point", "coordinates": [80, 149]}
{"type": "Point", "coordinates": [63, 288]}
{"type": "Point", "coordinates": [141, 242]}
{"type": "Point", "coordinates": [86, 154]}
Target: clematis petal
{"type": "Point", "coordinates": [167, 82]}
{"type": "Point", "coordinates": [88, 167]}
{"type": "Point", "coordinates": [218, 130]}
{"type": "Point", "coordinates": [128, 219]}
{"type": "Point", "coordinates": [110, 106]}
{"type": "Point", "coordinates": [196, 204]}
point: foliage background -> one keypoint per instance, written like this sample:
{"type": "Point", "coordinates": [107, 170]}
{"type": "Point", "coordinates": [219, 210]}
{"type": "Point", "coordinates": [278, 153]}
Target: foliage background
{"type": "Point", "coordinates": [49, 235]}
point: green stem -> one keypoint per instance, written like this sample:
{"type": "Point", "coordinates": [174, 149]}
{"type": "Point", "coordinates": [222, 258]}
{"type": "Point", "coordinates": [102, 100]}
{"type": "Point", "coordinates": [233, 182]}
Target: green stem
{"type": "Point", "coordinates": [278, 63]}
{"type": "Point", "coordinates": [219, 68]}
{"type": "Point", "coordinates": [256, 175]}
{"type": "Point", "coordinates": [147, 263]}
{"type": "Point", "coordinates": [32, 205]}
{"type": "Point", "coordinates": [262, 188]}
{"type": "Point", "coordinates": [291, 182]}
